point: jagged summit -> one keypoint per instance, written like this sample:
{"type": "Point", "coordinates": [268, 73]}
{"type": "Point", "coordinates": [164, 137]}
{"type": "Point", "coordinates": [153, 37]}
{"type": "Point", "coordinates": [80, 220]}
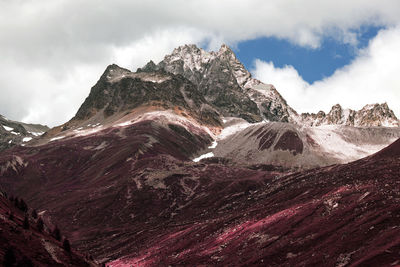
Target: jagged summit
{"type": "Point", "coordinates": [225, 85]}
{"type": "Point", "coordinates": [119, 91]}
{"type": "Point", "coordinates": [113, 71]}
{"type": "Point", "coordinates": [369, 116]}
{"type": "Point", "coordinates": [218, 74]}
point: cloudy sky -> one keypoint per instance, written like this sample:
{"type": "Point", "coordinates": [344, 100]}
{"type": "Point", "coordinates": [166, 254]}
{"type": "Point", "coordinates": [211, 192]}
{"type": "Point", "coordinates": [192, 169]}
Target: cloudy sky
{"type": "Point", "coordinates": [317, 53]}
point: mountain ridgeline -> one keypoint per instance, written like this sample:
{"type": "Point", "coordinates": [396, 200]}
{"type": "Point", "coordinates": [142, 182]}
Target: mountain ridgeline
{"type": "Point", "coordinates": [120, 90]}
{"type": "Point", "coordinates": [211, 85]}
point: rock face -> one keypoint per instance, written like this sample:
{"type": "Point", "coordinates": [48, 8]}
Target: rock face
{"type": "Point", "coordinates": [16, 133]}
{"type": "Point", "coordinates": [371, 115]}
{"type": "Point", "coordinates": [214, 77]}
{"type": "Point", "coordinates": [120, 90]}
{"type": "Point", "coordinates": [226, 84]}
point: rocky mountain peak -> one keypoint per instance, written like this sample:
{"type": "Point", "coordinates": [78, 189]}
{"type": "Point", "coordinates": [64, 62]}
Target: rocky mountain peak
{"type": "Point", "coordinates": [113, 71]}
{"type": "Point", "coordinates": [149, 67]}
{"type": "Point", "coordinates": [119, 91]}
{"type": "Point", "coordinates": [370, 115]}
{"type": "Point", "coordinates": [189, 57]}
{"type": "Point", "coordinates": [338, 115]}
{"type": "Point", "coordinates": [376, 115]}
{"type": "Point", "coordinates": [226, 51]}
{"type": "Point", "coordinates": [214, 75]}
{"type": "Point", "coordinates": [227, 85]}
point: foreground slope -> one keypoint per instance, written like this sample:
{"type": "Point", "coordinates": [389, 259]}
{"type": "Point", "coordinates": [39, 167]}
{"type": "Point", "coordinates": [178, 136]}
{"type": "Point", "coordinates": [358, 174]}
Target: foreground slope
{"type": "Point", "coordinates": [27, 246]}
{"type": "Point", "coordinates": [344, 215]}
{"type": "Point", "coordinates": [128, 200]}
{"type": "Point", "coordinates": [114, 181]}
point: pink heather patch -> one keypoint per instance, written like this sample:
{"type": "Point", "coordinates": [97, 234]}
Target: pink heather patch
{"type": "Point", "coordinates": [249, 227]}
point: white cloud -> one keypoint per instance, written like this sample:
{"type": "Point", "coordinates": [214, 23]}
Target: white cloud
{"type": "Point", "coordinates": [373, 77]}
{"type": "Point", "coordinates": [54, 51]}
{"type": "Point", "coordinates": [154, 47]}
{"type": "Point", "coordinates": [287, 80]}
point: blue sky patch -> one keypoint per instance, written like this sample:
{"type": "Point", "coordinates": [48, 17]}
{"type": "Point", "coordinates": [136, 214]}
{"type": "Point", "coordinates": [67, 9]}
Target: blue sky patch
{"type": "Point", "coordinates": [312, 64]}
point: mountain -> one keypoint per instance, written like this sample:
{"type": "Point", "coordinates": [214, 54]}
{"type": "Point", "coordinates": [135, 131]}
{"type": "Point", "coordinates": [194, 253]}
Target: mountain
{"type": "Point", "coordinates": [24, 244]}
{"type": "Point", "coordinates": [191, 161]}
{"type": "Point", "coordinates": [369, 116]}
{"type": "Point", "coordinates": [230, 88]}
{"type": "Point", "coordinates": [226, 84]}
{"type": "Point", "coordinates": [16, 133]}
{"type": "Point", "coordinates": [120, 90]}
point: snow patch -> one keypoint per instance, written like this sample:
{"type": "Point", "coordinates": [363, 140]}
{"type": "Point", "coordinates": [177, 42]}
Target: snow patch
{"type": "Point", "coordinates": [36, 133]}
{"type": "Point", "coordinates": [204, 156]}
{"type": "Point", "coordinates": [26, 139]}
{"type": "Point", "coordinates": [57, 138]}
{"type": "Point", "coordinates": [155, 79]}
{"type": "Point", "coordinates": [94, 129]}
{"type": "Point", "coordinates": [126, 123]}
{"type": "Point", "coordinates": [213, 145]}
{"type": "Point", "coordinates": [8, 128]}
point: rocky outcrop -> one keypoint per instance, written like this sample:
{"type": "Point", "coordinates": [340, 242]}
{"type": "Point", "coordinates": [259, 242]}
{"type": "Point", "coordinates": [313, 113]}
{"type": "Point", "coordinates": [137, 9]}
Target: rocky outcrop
{"type": "Point", "coordinates": [376, 115]}
{"type": "Point", "coordinates": [226, 84]}
{"type": "Point", "coordinates": [371, 115]}
{"type": "Point", "coordinates": [214, 76]}
{"type": "Point", "coordinates": [120, 90]}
